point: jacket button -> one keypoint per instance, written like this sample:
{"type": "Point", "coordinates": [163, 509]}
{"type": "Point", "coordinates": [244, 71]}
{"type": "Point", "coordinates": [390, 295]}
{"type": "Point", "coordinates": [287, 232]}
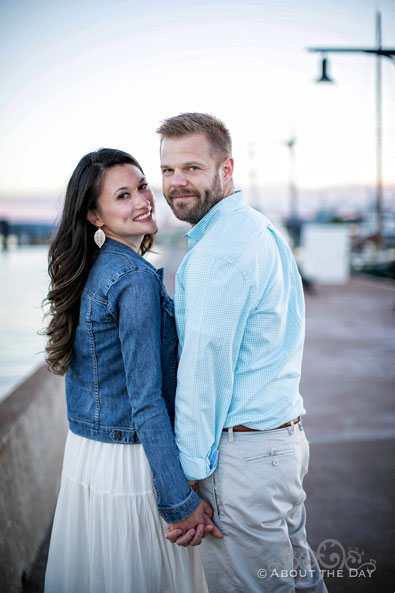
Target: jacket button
{"type": "Point", "coordinates": [117, 436]}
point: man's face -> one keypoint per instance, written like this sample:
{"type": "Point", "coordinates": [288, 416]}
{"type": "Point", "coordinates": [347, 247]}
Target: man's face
{"type": "Point", "coordinates": [191, 177]}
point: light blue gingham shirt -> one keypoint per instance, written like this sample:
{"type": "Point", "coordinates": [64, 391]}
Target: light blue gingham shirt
{"type": "Point", "coordinates": [240, 320]}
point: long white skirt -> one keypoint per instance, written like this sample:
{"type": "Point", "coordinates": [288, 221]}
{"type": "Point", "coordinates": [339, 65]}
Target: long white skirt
{"type": "Point", "coordinates": [107, 535]}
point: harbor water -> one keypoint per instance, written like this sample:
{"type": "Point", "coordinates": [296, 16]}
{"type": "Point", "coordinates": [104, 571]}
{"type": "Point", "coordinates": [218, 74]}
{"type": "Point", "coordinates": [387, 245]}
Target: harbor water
{"type": "Point", "coordinates": [24, 284]}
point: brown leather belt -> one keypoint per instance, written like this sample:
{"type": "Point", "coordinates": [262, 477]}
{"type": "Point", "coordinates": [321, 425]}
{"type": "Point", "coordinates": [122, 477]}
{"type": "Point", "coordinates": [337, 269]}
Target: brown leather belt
{"type": "Point", "coordinates": [241, 428]}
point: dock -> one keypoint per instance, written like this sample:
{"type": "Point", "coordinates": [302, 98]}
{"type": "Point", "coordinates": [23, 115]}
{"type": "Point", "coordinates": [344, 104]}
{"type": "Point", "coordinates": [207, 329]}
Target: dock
{"type": "Point", "coordinates": [348, 385]}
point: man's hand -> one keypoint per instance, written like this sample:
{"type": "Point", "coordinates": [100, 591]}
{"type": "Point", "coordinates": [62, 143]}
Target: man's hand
{"type": "Point", "coordinates": [194, 528]}
{"type": "Point", "coordinates": [193, 484]}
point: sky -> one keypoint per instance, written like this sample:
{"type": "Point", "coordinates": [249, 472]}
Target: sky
{"type": "Point", "coordinates": [79, 75]}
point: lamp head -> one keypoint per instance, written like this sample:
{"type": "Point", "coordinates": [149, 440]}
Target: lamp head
{"type": "Point", "coordinates": [324, 75]}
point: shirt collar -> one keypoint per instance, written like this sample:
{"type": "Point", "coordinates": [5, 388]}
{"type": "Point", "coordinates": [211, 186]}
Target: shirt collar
{"type": "Point", "coordinates": [228, 204]}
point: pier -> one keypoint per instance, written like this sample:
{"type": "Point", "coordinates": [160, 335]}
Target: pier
{"type": "Point", "coordinates": [348, 385]}
{"type": "Point", "coordinates": [28, 233]}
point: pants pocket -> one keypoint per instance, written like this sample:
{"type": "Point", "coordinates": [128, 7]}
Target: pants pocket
{"type": "Point", "coordinates": [273, 453]}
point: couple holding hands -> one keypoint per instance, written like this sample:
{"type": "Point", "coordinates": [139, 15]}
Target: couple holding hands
{"type": "Point", "coordinates": [186, 449]}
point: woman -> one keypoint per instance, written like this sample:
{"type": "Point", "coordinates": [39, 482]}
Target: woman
{"type": "Point", "coordinates": [112, 332]}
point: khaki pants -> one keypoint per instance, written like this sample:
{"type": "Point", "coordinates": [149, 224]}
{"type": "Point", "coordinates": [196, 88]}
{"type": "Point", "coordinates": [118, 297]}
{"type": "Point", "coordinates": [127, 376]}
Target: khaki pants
{"type": "Point", "coordinates": [258, 500]}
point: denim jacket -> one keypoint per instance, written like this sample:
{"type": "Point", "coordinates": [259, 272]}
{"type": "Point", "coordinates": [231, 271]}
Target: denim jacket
{"type": "Point", "coordinates": [120, 387]}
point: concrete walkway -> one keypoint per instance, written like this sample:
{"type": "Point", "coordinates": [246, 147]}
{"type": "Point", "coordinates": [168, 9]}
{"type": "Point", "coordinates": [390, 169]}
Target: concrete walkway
{"type": "Point", "coordinates": [349, 391]}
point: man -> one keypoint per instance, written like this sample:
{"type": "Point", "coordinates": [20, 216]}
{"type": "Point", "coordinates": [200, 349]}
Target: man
{"type": "Point", "coordinates": [240, 319]}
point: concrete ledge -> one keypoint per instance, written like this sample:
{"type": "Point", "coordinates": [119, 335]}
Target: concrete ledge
{"type": "Point", "coordinates": [33, 429]}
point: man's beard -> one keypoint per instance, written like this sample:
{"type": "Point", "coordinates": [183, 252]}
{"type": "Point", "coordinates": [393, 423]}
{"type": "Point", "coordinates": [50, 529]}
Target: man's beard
{"type": "Point", "coordinates": [205, 201]}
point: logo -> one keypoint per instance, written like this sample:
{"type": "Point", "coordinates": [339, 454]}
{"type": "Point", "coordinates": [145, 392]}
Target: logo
{"type": "Point", "coordinates": [333, 559]}
{"type": "Point", "coordinates": [331, 555]}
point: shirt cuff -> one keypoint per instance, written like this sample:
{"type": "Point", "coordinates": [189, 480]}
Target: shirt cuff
{"type": "Point", "coordinates": [178, 512]}
{"type": "Point", "coordinates": [197, 468]}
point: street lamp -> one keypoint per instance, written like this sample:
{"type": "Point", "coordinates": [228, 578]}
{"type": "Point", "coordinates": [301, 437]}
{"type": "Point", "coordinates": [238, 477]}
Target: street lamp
{"type": "Point", "coordinates": [379, 52]}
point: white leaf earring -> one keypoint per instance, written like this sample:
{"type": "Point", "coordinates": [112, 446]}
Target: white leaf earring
{"type": "Point", "coordinates": [99, 238]}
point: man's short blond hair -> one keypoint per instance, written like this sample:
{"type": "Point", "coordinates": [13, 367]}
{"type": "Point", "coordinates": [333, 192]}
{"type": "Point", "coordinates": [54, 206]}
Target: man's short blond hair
{"type": "Point", "coordinates": [214, 129]}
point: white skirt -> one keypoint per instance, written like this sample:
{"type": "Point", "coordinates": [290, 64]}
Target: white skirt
{"type": "Point", "coordinates": [107, 535]}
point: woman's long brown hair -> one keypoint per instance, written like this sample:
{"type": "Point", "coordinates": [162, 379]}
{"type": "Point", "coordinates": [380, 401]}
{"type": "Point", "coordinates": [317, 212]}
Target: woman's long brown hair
{"type": "Point", "coordinates": [72, 252]}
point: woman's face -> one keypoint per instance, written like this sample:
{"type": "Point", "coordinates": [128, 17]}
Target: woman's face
{"type": "Point", "coordinates": [125, 208]}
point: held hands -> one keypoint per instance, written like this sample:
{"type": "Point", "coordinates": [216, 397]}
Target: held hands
{"type": "Point", "coordinates": [192, 530]}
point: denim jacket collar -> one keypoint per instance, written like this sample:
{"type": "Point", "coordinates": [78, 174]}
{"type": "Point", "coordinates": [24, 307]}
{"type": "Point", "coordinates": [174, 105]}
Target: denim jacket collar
{"type": "Point", "coordinates": [117, 247]}
{"type": "Point", "coordinates": [113, 245]}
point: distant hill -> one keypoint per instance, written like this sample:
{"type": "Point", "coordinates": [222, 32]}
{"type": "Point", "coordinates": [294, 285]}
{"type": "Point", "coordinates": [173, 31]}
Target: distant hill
{"type": "Point", "coordinates": [269, 199]}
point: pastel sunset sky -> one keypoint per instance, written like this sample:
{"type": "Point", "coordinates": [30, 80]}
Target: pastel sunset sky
{"type": "Point", "coordinates": [78, 75]}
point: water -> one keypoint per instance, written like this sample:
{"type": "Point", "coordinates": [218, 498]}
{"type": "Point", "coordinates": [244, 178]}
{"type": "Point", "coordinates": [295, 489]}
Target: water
{"type": "Point", "coordinates": [24, 284]}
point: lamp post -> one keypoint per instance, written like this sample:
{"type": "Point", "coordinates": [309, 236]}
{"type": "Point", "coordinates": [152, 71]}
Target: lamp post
{"type": "Point", "coordinates": [293, 221]}
{"type": "Point", "coordinates": [293, 196]}
{"type": "Point", "coordinates": [379, 52]}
